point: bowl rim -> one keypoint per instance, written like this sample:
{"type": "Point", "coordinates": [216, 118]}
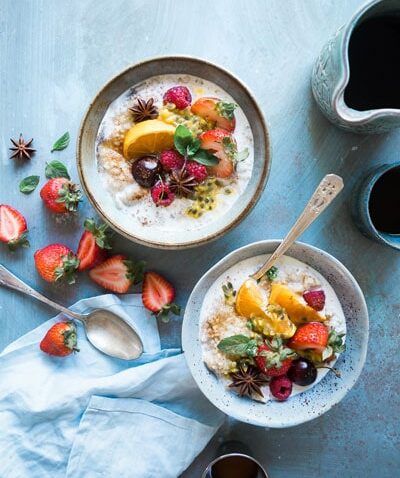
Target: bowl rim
{"type": "Point", "coordinates": [363, 349]}
{"type": "Point", "coordinates": [208, 238]}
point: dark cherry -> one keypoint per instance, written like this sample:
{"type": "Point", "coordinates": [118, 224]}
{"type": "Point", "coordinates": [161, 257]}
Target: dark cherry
{"type": "Point", "coordinates": [146, 171]}
{"type": "Point", "coordinates": [302, 372]}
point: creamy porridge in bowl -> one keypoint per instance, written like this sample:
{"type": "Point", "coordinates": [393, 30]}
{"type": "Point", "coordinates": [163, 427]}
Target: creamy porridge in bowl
{"type": "Point", "coordinates": [176, 159]}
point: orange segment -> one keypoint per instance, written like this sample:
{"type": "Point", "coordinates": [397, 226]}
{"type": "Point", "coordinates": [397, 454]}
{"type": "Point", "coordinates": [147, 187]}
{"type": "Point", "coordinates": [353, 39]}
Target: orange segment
{"type": "Point", "coordinates": [148, 137]}
{"type": "Point", "coordinates": [252, 303]}
{"type": "Point", "coordinates": [298, 312]}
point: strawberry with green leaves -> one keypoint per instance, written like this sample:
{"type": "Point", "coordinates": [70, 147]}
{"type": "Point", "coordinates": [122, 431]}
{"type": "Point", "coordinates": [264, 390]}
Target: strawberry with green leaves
{"type": "Point", "coordinates": [158, 296]}
{"type": "Point", "coordinates": [273, 358]}
{"type": "Point", "coordinates": [55, 262]}
{"type": "Point", "coordinates": [60, 195]}
{"type": "Point", "coordinates": [216, 111]}
{"type": "Point", "coordinates": [60, 340]}
{"type": "Point", "coordinates": [93, 245]}
{"type": "Point", "coordinates": [13, 227]}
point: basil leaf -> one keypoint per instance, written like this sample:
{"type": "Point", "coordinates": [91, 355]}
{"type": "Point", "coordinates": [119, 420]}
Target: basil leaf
{"type": "Point", "coordinates": [204, 157]}
{"type": "Point", "coordinates": [28, 184]}
{"type": "Point", "coordinates": [192, 148]}
{"type": "Point", "coordinates": [61, 143]}
{"type": "Point", "coordinates": [234, 345]}
{"type": "Point", "coordinates": [56, 169]}
{"type": "Point", "coordinates": [183, 138]}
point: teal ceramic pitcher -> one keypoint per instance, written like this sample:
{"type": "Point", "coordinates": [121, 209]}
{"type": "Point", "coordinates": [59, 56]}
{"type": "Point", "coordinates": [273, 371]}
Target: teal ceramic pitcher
{"type": "Point", "coordinates": [332, 72]}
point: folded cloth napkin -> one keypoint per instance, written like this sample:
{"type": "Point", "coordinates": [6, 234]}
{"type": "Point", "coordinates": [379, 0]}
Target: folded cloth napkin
{"type": "Point", "coordinates": [89, 415]}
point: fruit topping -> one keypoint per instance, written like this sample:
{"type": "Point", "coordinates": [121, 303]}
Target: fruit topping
{"type": "Point", "coordinates": [213, 141]}
{"type": "Point", "coordinates": [280, 387]}
{"type": "Point", "coordinates": [55, 262]}
{"type": "Point", "coordinates": [148, 137]}
{"type": "Point", "coordinates": [198, 171]}
{"type": "Point", "coordinates": [146, 171]}
{"type": "Point", "coordinates": [158, 296]}
{"type": "Point", "coordinates": [162, 194]}
{"type": "Point", "coordinates": [302, 372]}
{"type": "Point", "coordinates": [93, 244]}
{"type": "Point", "coordinates": [13, 227]}
{"type": "Point", "coordinates": [214, 110]}
{"type": "Point", "coordinates": [178, 95]}
{"type": "Point", "coordinates": [297, 311]}
{"type": "Point", "coordinates": [60, 340]}
{"type": "Point", "coordinates": [248, 381]}
{"type": "Point", "coordinates": [117, 274]}
{"type": "Point", "coordinates": [60, 195]}
{"type": "Point", "coordinates": [313, 335]}
{"type": "Point", "coordinates": [273, 358]}
{"type": "Point", "coordinates": [143, 110]}
{"type": "Point", "coordinates": [171, 159]}
{"type": "Point", "coordinates": [182, 183]}
{"type": "Point", "coordinates": [315, 299]}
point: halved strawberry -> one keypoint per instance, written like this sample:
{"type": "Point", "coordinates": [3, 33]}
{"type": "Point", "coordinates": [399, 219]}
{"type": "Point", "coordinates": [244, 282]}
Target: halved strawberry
{"type": "Point", "coordinates": [158, 295]}
{"type": "Point", "coordinates": [93, 244]}
{"type": "Point", "coordinates": [117, 273]}
{"type": "Point", "coordinates": [273, 358]}
{"type": "Point", "coordinates": [13, 228]}
{"type": "Point", "coordinates": [217, 111]}
{"type": "Point", "coordinates": [313, 336]}
{"type": "Point", "coordinates": [223, 146]}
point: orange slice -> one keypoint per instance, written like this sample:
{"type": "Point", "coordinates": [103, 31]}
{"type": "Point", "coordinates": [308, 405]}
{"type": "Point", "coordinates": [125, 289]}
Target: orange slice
{"type": "Point", "coordinates": [148, 137]}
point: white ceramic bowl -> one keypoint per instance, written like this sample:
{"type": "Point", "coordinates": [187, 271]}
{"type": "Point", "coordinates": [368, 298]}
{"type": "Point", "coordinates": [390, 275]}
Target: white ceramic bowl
{"type": "Point", "coordinates": [316, 400]}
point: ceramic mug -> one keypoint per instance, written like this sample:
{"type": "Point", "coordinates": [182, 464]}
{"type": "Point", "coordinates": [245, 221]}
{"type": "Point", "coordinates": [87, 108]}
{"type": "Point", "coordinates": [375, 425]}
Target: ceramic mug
{"type": "Point", "coordinates": [331, 75]}
{"type": "Point", "coordinates": [360, 207]}
{"type": "Point", "coordinates": [252, 466]}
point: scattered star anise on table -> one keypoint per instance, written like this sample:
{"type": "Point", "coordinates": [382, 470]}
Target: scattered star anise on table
{"type": "Point", "coordinates": [21, 148]}
{"type": "Point", "coordinates": [144, 110]}
{"type": "Point", "coordinates": [181, 183]}
{"type": "Point", "coordinates": [248, 381]}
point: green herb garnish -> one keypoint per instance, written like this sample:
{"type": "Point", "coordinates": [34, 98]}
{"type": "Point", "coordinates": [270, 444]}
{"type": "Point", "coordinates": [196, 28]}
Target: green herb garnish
{"type": "Point", "coordinates": [56, 169]}
{"type": "Point", "coordinates": [230, 149]}
{"type": "Point", "coordinates": [239, 345]}
{"type": "Point", "coordinates": [226, 109]}
{"type": "Point", "coordinates": [28, 184]}
{"type": "Point", "coordinates": [189, 147]}
{"type": "Point", "coordinates": [61, 143]}
{"type": "Point", "coordinates": [272, 273]}
{"type": "Point", "coordinates": [229, 293]}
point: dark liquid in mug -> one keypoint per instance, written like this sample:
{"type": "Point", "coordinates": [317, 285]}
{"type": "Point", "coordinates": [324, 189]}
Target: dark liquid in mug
{"type": "Point", "coordinates": [235, 467]}
{"type": "Point", "coordinates": [374, 59]}
{"type": "Point", "coordinates": [384, 203]}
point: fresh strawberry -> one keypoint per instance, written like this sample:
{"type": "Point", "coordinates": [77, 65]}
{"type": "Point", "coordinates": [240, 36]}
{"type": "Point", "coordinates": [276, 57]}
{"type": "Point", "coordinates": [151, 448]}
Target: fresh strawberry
{"type": "Point", "coordinates": [178, 95]}
{"type": "Point", "coordinates": [93, 244]}
{"type": "Point", "coordinates": [171, 159]}
{"type": "Point", "coordinates": [315, 299]}
{"type": "Point", "coordinates": [313, 336]}
{"type": "Point", "coordinates": [158, 295]}
{"type": "Point", "coordinates": [162, 194]}
{"type": "Point", "coordinates": [13, 228]}
{"type": "Point", "coordinates": [55, 262]}
{"type": "Point", "coordinates": [223, 146]}
{"type": "Point", "coordinates": [273, 358]}
{"type": "Point", "coordinates": [60, 340]}
{"type": "Point", "coordinates": [216, 111]}
{"type": "Point", "coordinates": [61, 195]}
{"type": "Point", "coordinates": [197, 170]}
{"type": "Point", "coordinates": [117, 274]}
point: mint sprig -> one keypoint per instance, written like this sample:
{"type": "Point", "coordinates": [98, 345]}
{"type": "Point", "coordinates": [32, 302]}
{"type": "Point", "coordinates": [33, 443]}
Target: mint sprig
{"type": "Point", "coordinates": [239, 345]}
{"type": "Point", "coordinates": [189, 147]}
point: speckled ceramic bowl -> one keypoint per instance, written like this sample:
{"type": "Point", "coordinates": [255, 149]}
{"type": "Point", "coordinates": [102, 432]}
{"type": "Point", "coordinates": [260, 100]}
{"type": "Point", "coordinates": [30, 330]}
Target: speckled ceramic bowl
{"type": "Point", "coordinates": [318, 399]}
{"type": "Point", "coordinates": [86, 152]}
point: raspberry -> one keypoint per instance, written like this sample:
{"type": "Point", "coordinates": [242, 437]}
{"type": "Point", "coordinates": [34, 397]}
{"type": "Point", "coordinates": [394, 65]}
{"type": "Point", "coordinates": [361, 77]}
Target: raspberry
{"type": "Point", "coordinates": [280, 387]}
{"type": "Point", "coordinates": [178, 95]}
{"type": "Point", "coordinates": [198, 171]}
{"type": "Point", "coordinates": [315, 299]}
{"type": "Point", "coordinates": [161, 194]}
{"type": "Point", "coordinates": [171, 159]}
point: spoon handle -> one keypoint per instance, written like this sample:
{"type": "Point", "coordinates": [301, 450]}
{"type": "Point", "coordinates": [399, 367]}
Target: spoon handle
{"type": "Point", "coordinates": [327, 190]}
{"type": "Point", "coordinates": [10, 280]}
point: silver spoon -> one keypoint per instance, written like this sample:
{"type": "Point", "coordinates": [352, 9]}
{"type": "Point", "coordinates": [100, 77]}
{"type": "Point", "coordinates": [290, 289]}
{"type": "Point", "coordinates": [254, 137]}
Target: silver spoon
{"type": "Point", "coordinates": [327, 190]}
{"type": "Point", "coordinates": [107, 331]}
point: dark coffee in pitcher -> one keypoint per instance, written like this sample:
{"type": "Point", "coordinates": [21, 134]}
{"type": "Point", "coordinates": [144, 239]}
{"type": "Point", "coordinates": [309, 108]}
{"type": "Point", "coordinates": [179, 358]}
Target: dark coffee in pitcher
{"type": "Point", "coordinates": [384, 202]}
{"type": "Point", "coordinates": [374, 60]}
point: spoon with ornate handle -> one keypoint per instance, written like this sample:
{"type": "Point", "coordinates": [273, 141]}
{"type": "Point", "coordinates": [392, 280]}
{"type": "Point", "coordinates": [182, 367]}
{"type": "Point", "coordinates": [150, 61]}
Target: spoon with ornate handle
{"type": "Point", "coordinates": [327, 190]}
{"type": "Point", "coordinates": [107, 331]}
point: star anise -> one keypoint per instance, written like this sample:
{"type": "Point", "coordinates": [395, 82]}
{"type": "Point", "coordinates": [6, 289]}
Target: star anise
{"type": "Point", "coordinates": [248, 381]}
{"type": "Point", "coordinates": [181, 183]}
{"type": "Point", "coordinates": [22, 148]}
{"type": "Point", "coordinates": [143, 110]}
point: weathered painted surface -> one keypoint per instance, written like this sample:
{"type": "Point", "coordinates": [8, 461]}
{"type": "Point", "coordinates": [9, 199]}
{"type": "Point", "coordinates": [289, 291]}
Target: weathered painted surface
{"type": "Point", "coordinates": [55, 55]}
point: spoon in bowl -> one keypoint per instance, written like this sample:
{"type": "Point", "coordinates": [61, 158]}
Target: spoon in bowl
{"type": "Point", "coordinates": [325, 193]}
{"type": "Point", "coordinates": [106, 331]}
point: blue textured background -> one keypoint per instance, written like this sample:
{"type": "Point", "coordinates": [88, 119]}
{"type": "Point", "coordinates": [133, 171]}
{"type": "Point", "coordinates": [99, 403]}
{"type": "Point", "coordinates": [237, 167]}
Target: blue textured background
{"type": "Point", "coordinates": [55, 55]}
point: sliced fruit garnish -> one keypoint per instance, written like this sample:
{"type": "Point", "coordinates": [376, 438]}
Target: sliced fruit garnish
{"type": "Point", "coordinates": [298, 312]}
{"type": "Point", "coordinates": [148, 137]}
{"type": "Point", "coordinates": [158, 296]}
{"type": "Point", "coordinates": [311, 336]}
{"type": "Point", "coordinates": [13, 228]}
{"type": "Point", "coordinates": [217, 111]}
{"type": "Point", "coordinates": [216, 141]}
